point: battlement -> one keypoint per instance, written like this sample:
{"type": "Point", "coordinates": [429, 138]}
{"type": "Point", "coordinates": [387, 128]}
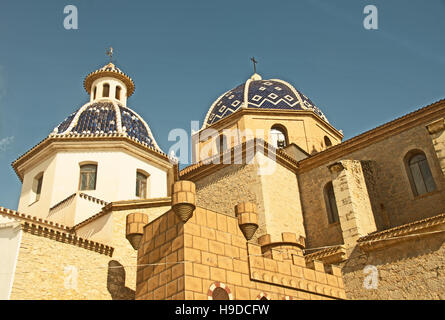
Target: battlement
{"type": "Point", "coordinates": [188, 256]}
{"type": "Point", "coordinates": [309, 277]}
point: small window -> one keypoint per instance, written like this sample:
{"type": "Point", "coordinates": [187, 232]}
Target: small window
{"type": "Point", "coordinates": [88, 174]}
{"type": "Point", "coordinates": [37, 187]}
{"type": "Point", "coordinates": [419, 173]}
{"type": "Point", "coordinates": [221, 143]}
{"type": "Point", "coordinates": [278, 135]}
{"type": "Point", "coordinates": [106, 90]}
{"type": "Point", "coordinates": [331, 204]}
{"type": "Point", "coordinates": [118, 93]}
{"type": "Point", "coordinates": [94, 94]}
{"type": "Point", "coordinates": [141, 185]}
{"type": "Point", "coordinates": [327, 142]}
{"type": "Point", "coordinates": [220, 294]}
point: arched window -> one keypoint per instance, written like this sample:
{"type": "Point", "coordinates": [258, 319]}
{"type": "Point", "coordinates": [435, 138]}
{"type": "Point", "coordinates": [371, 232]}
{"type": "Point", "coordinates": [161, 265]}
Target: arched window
{"type": "Point", "coordinates": [88, 174]}
{"type": "Point", "coordinates": [37, 187]}
{"type": "Point", "coordinates": [106, 90]}
{"type": "Point", "coordinates": [331, 204]}
{"type": "Point", "coordinates": [118, 93]}
{"type": "Point", "coordinates": [327, 142]}
{"type": "Point", "coordinates": [419, 173]}
{"type": "Point", "coordinates": [94, 94]}
{"type": "Point", "coordinates": [278, 135]}
{"type": "Point", "coordinates": [220, 294]}
{"type": "Point", "coordinates": [141, 185]}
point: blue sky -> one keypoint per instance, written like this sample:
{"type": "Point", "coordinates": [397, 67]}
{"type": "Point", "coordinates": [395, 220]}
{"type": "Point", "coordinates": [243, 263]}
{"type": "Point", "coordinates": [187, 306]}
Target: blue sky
{"type": "Point", "coordinates": [183, 54]}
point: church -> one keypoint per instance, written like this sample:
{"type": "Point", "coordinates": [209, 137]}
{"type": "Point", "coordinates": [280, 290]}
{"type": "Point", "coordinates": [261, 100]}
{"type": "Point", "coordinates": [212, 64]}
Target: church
{"type": "Point", "coordinates": [275, 206]}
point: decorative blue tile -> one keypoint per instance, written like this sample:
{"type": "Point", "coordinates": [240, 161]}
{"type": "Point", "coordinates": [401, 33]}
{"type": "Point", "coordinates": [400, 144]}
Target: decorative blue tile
{"type": "Point", "coordinates": [100, 117]}
{"type": "Point", "coordinates": [263, 94]}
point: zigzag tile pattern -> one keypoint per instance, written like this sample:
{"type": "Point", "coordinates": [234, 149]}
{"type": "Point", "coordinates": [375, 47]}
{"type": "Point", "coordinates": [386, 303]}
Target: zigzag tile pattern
{"type": "Point", "coordinates": [263, 94]}
{"type": "Point", "coordinates": [228, 104]}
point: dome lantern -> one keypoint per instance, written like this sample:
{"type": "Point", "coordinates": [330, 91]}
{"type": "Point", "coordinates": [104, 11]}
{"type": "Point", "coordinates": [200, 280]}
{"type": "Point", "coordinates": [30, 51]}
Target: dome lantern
{"type": "Point", "coordinates": [109, 82]}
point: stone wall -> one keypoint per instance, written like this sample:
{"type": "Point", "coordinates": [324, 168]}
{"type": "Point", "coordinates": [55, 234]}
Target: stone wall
{"type": "Point", "coordinates": [268, 184]}
{"type": "Point", "coordinates": [227, 187]}
{"type": "Point", "coordinates": [210, 251]}
{"type": "Point", "coordinates": [40, 272]}
{"type": "Point", "coordinates": [282, 204]}
{"type": "Point", "coordinates": [162, 246]}
{"type": "Point", "coordinates": [319, 232]}
{"type": "Point", "coordinates": [391, 196]}
{"type": "Point", "coordinates": [412, 269]}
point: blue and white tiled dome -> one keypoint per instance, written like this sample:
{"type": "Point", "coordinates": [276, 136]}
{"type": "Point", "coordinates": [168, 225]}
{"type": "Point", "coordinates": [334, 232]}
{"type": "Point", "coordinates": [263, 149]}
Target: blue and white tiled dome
{"type": "Point", "coordinates": [260, 94]}
{"type": "Point", "coordinates": [107, 117]}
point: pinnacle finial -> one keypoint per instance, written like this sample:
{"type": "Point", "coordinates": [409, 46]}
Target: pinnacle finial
{"type": "Point", "coordinates": [254, 64]}
{"type": "Point", "coordinates": [110, 53]}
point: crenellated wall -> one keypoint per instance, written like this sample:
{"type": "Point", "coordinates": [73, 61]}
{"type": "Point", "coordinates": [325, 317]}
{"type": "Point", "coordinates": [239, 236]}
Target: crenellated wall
{"type": "Point", "coordinates": [209, 251]}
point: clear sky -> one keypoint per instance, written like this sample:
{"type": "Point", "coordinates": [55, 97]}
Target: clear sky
{"type": "Point", "coordinates": [183, 54]}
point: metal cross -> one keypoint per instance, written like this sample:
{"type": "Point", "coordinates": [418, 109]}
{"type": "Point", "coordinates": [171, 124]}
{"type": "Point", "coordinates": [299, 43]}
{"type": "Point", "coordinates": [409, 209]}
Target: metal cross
{"type": "Point", "coordinates": [110, 53]}
{"type": "Point", "coordinates": [254, 63]}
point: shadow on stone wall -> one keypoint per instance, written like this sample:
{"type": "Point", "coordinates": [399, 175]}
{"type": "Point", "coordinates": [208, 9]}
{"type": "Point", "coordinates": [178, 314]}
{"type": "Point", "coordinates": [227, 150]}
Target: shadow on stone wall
{"type": "Point", "coordinates": [412, 269]}
{"type": "Point", "coordinates": [116, 282]}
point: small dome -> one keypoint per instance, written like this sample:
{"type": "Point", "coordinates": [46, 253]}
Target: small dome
{"type": "Point", "coordinates": [107, 117]}
{"type": "Point", "coordinates": [260, 94]}
{"type": "Point", "coordinates": [109, 70]}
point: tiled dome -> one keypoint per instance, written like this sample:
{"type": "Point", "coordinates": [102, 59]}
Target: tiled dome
{"type": "Point", "coordinates": [260, 94]}
{"type": "Point", "coordinates": [107, 117]}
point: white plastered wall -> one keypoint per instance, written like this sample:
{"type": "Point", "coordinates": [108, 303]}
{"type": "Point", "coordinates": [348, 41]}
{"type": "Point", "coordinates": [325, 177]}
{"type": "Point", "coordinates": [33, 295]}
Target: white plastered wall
{"type": "Point", "coordinates": [27, 203]}
{"type": "Point", "coordinates": [116, 180]}
{"type": "Point", "coordinates": [10, 238]}
{"type": "Point", "coordinates": [113, 82]}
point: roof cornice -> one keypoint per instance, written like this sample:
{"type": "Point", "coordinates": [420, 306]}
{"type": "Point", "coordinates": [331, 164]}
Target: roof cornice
{"type": "Point", "coordinates": [60, 141]}
{"type": "Point", "coordinates": [205, 167]}
{"type": "Point", "coordinates": [424, 227]}
{"type": "Point", "coordinates": [269, 112]}
{"type": "Point", "coordinates": [54, 231]}
{"type": "Point", "coordinates": [379, 133]}
{"type": "Point", "coordinates": [126, 205]}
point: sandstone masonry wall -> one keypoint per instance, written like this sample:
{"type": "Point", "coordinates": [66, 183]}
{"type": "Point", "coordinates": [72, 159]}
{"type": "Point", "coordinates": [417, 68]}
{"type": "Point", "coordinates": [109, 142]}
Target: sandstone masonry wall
{"type": "Point", "coordinates": [392, 200]}
{"type": "Point", "coordinates": [40, 272]}
{"type": "Point", "coordinates": [413, 269]}
{"type": "Point", "coordinates": [229, 186]}
{"type": "Point", "coordinates": [210, 251]}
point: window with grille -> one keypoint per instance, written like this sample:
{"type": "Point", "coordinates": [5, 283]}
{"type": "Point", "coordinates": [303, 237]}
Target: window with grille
{"type": "Point", "coordinates": [88, 174]}
{"type": "Point", "coordinates": [419, 172]}
{"type": "Point", "coordinates": [141, 185]}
